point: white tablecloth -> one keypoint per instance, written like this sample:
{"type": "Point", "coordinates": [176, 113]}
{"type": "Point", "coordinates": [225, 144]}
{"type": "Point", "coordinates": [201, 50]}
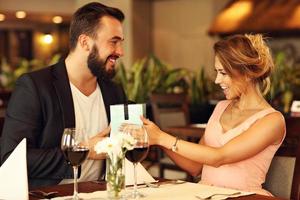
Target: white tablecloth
{"type": "Point", "coordinates": [184, 191]}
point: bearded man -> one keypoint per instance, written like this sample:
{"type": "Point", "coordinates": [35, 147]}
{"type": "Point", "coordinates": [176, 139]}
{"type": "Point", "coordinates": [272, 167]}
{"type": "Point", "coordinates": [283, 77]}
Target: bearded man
{"type": "Point", "coordinates": [75, 92]}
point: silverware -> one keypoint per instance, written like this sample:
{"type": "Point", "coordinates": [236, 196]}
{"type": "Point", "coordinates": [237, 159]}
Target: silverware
{"type": "Point", "coordinates": [144, 185]}
{"type": "Point", "coordinates": [218, 194]}
{"type": "Point", "coordinates": [152, 185]}
{"type": "Point", "coordinates": [157, 184]}
{"type": "Point", "coordinates": [175, 182]}
{"type": "Point", "coordinates": [42, 194]}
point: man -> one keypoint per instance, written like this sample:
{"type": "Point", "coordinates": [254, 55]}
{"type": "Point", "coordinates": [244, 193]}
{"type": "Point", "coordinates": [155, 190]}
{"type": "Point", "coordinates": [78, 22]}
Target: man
{"type": "Point", "coordinates": [75, 92]}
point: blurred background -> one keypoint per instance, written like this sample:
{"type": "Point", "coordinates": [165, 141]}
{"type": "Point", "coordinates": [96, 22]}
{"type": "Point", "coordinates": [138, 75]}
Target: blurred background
{"type": "Point", "coordinates": [168, 42]}
{"type": "Point", "coordinates": [168, 51]}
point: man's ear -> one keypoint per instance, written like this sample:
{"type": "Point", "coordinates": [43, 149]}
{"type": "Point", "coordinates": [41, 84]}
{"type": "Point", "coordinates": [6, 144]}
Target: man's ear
{"type": "Point", "coordinates": [84, 42]}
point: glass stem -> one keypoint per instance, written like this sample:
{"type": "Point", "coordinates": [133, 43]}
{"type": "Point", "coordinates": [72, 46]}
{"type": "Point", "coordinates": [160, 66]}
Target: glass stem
{"type": "Point", "coordinates": [75, 193]}
{"type": "Point", "coordinates": [135, 179]}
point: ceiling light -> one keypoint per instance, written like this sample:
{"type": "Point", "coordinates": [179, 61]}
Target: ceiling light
{"type": "Point", "coordinates": [2, 17]}
{"type": "Point", "coordinates": [20, 14]}
{"type": "Point", "coordinates": [47, 38]}
{"type": "Point", "coordinates": [57, 19]}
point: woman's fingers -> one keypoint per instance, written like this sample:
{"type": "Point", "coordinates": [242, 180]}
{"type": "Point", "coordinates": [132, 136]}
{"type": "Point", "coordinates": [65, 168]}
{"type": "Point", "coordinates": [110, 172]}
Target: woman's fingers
{"type": "Point", "coordinates": [145, 121]}
{"type": "Point", "coordinates": [105, 132]}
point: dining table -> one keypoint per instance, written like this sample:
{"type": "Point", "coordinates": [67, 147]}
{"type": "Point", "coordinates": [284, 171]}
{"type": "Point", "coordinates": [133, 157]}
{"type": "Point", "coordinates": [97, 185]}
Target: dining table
{"type": "Point", "coordinates": [92, 186]}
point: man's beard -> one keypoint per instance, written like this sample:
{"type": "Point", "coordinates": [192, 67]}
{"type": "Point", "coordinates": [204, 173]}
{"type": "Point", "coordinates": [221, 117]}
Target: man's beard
{"type": "Point", "coordinates": [97, 65]}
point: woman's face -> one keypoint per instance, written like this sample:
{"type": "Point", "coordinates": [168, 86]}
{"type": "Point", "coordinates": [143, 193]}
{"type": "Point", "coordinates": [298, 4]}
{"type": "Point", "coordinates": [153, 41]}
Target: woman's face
{"type": "Point", "coordinates": [231, 88]}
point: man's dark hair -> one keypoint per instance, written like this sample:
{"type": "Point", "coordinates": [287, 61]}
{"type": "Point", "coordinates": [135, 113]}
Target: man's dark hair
{"type": "Point", "coordinates": [86, 20]}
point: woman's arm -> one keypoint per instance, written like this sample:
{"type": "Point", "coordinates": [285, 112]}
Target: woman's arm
{"type": "Point", "coordinates": [264, 132]}
{"type": "Point", "coordinates": [192, 167]}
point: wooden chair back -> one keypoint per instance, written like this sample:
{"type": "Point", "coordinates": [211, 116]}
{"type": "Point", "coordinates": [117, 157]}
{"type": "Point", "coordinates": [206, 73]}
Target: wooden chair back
{"type": "Point", "coordinates": [283, 178]}
{"type": "Point", "coordinates": [293, 132]}
{"type": "Point", "coordinates": [170, 109]}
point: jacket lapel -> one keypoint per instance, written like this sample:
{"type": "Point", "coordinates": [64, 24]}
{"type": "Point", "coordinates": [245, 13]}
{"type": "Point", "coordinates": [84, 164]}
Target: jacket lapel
{"type": "Point", "coordinates": [107, 96]}
{"type": "Point", "coordinates": [63, 91]}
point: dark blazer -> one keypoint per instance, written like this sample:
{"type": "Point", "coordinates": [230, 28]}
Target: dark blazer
{"type": "Point", "coordinates": [40, 107]}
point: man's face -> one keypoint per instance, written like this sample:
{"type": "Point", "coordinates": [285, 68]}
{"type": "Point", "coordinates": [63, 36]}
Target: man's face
{"type": "Point", "coordinates": [107, 48]}
{"type": "Point", "coordinates": [98, 65]}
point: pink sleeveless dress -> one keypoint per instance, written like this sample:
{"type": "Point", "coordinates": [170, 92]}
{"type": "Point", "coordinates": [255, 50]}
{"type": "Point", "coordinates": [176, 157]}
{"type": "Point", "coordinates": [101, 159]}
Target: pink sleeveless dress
{"type": "Point", "coordinates": [246, 175]}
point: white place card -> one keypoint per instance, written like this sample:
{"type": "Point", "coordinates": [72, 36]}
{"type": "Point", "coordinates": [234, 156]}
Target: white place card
{"type": "Point", "coordinates": [295, 106]}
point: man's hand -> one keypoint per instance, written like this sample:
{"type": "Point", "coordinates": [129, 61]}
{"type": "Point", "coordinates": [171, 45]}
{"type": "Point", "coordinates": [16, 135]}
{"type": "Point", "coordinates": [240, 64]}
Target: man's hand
{"type": "Point", "coordinates": [93, 141]}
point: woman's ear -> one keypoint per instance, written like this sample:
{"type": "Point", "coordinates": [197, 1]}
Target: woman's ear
{"type": "Point", "coordinates": [248, 79]}
{"type": "Point", "coordinates": [84, 42]}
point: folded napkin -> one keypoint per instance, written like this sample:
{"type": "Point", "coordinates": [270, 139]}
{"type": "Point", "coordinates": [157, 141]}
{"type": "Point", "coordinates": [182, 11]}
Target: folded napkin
{"type": "Point", "coordinates": [142, 174]}
{"type": "Point", "coordinates": [13, 174]}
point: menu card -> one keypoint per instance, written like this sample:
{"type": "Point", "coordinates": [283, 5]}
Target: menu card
{"type": "Point", "coordinates": [125, 113]}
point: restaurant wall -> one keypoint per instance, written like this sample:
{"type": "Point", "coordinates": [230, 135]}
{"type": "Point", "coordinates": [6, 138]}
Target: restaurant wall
{"type": "Point", "coordinates": [289, 45]}
{"type": "Point", "coordinates": [42, 9]}
{"type": "Point", "coordinates": [174, 30]}
{"type": "Point", "coordinates": [180, 32]}
{"type": "Point", "coordinates": [137, 28]}
{"type": "Point", "coordinates": [55, 6]}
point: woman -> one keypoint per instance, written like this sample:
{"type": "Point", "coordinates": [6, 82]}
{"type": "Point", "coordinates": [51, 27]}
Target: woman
{"type": "Point", "coordinates": [244, 131]}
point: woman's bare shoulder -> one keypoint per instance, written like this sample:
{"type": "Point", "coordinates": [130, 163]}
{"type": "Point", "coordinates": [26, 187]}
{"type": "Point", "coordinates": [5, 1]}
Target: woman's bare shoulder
{"type": "Point", "coordinates": [274, 124]}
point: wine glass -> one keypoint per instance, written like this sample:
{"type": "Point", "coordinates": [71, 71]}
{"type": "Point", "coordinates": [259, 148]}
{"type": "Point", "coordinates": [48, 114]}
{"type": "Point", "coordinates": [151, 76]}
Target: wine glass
{"type": "Point", "coordinates": [138, 153]}
{"type": "Point", "coordinates": [74, 145]}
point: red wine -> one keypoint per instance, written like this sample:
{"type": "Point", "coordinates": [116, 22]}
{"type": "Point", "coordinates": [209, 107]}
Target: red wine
{"type": "Point", "coordinates": [137, 154]}
{"type": "Point", "coordinates": [75, 156]}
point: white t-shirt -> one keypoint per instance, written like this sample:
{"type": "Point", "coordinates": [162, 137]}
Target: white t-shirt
{"type": "Point", "coordinates": [90, 115]}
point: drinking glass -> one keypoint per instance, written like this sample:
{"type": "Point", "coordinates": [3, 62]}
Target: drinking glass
{"type": "Point", "coordinates": [74, 145]}
{"type": "Point", "coordinates": [138, 153]}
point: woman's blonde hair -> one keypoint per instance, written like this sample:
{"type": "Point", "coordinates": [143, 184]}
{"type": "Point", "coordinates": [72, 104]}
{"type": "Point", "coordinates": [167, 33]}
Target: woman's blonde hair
{"type": "Point", "coordinates": [247, 56]}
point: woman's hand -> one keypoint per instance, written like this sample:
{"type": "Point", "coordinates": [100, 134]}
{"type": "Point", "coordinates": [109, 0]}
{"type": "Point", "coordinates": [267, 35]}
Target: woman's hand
{"type": "Point", "coordinates": [153, 131]}
{"type": "Point", "coordinates": [93, 141]}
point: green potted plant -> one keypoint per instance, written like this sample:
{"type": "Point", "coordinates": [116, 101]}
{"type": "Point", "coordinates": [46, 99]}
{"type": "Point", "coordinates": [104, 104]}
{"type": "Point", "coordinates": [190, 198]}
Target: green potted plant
{"type": "Point", "coordinates": [9, 74]}
{"type": "Point", "coordinates": [285, 81]}
{"type": "Point", "coordinates": [199, 93]}
{"type": "Point", "coordinates": [150, 75]}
